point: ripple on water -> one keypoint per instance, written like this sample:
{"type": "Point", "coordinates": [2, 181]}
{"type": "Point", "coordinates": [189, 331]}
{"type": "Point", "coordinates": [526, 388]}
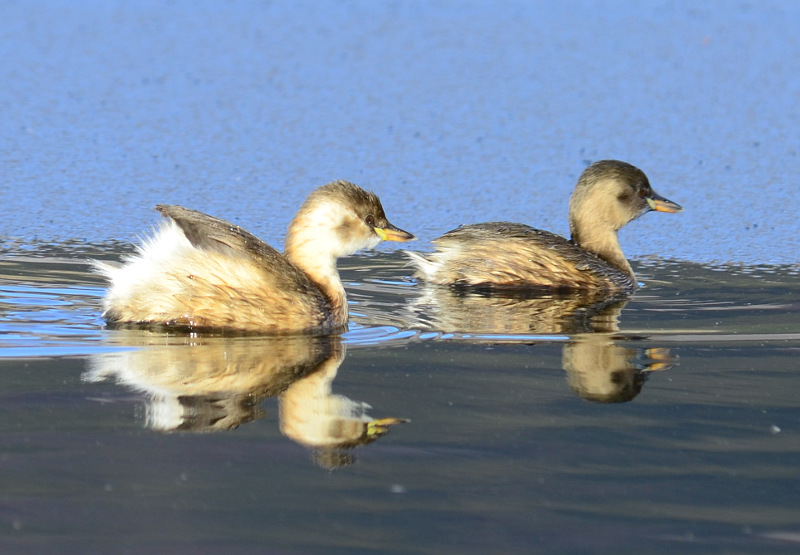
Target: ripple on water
{"type": "Point", "coordinates": [50, 304]}
{"type": "Point", "coordinates": [378, 335]}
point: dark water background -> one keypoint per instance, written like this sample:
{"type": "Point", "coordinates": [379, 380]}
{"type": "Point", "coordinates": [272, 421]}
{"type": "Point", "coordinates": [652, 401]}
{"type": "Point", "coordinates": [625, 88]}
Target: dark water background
{"type": "Point", "coordinates": [667, 424]}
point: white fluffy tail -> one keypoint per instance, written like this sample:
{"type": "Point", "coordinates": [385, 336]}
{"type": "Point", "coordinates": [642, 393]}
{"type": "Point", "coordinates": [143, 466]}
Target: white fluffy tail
{"type": "Point", "coordinates": [425, 268]}
{"type": "Point", "coordinates": [143, 269]}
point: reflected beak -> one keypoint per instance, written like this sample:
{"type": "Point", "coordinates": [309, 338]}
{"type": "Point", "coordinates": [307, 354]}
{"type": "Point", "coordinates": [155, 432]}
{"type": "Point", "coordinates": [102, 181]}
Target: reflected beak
{"type": "Point", "coordinates": [659, 358]}
{"type": "Point", "coordinates": [392, 233]}
{"type": "Point", "coordinates": [380, 427]}
{"type": "Point", "coordinates": [660, 204]}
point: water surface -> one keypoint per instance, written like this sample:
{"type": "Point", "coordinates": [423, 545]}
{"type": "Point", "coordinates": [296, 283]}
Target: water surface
{"type": "Point", "coordinates": [441, 421]}
{"type": "Point", "coordinates": [669, 425]}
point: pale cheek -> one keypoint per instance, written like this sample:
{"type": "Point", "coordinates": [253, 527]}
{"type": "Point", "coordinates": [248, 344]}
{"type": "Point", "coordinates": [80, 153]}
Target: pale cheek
{"type": "Point", "coordinates": [357, 243]}
{"type": "Point", "coordinates": [372, 241]}
{"type": "Point", "coordinates": [345, 232]}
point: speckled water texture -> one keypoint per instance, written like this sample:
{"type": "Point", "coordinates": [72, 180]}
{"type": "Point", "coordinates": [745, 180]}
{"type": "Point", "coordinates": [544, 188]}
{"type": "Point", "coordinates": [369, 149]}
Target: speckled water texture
{"type": "Point", "coordinates": [453, 112]}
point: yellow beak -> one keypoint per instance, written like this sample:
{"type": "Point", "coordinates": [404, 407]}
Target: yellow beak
{"type": "Point", "coordinates": [660, 204]}
{"type": "Point", "coordinates": [392, 233]}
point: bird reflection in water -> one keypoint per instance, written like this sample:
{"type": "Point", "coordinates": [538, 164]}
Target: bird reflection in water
{"type": "Point", "coordinates": [600, 370]}
{"type": "Point", "coordinates": [210, 383]}
{"type": "Point", "coordinates": [598, 367]}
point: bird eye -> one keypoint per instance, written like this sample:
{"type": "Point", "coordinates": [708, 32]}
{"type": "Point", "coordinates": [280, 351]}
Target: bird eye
{"type": "Point", "coordinates": [370, 220]}
{"type": "Point", "coordinates": [643, 192]}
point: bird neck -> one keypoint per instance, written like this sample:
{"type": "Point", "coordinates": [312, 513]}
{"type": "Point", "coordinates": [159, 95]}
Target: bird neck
{"type": "Point", "coordinates": [308, 248]}
{"type": "Point", "coordinates": [604, 243]}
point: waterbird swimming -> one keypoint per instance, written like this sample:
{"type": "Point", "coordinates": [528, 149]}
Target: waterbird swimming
{"type": "Point", "coordinates": [200, 272]}
{"type": "Point", "coordinates": [609, 194]}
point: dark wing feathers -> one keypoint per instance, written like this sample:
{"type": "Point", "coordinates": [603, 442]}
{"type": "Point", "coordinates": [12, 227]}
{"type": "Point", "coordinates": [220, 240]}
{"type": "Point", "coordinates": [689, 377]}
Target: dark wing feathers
{"type": "Point", "coordinates": [497, 252]}
{"type": "Point", "coordinates": [210, 233]}
{"type": "Point", "coordinates": [214, 234]}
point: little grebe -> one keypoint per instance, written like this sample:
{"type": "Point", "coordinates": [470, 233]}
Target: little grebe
{"type": "Point", "coordinates": [609, 194]}
{"type": "Point", "coordinates": [198, 271]}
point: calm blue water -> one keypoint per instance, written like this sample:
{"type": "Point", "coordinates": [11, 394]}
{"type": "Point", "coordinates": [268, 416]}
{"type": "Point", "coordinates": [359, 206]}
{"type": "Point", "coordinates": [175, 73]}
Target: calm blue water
{"type": "Point", "coordinates": [454, 112]}
{"type": "Point", "coordinates": [666, 424]}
